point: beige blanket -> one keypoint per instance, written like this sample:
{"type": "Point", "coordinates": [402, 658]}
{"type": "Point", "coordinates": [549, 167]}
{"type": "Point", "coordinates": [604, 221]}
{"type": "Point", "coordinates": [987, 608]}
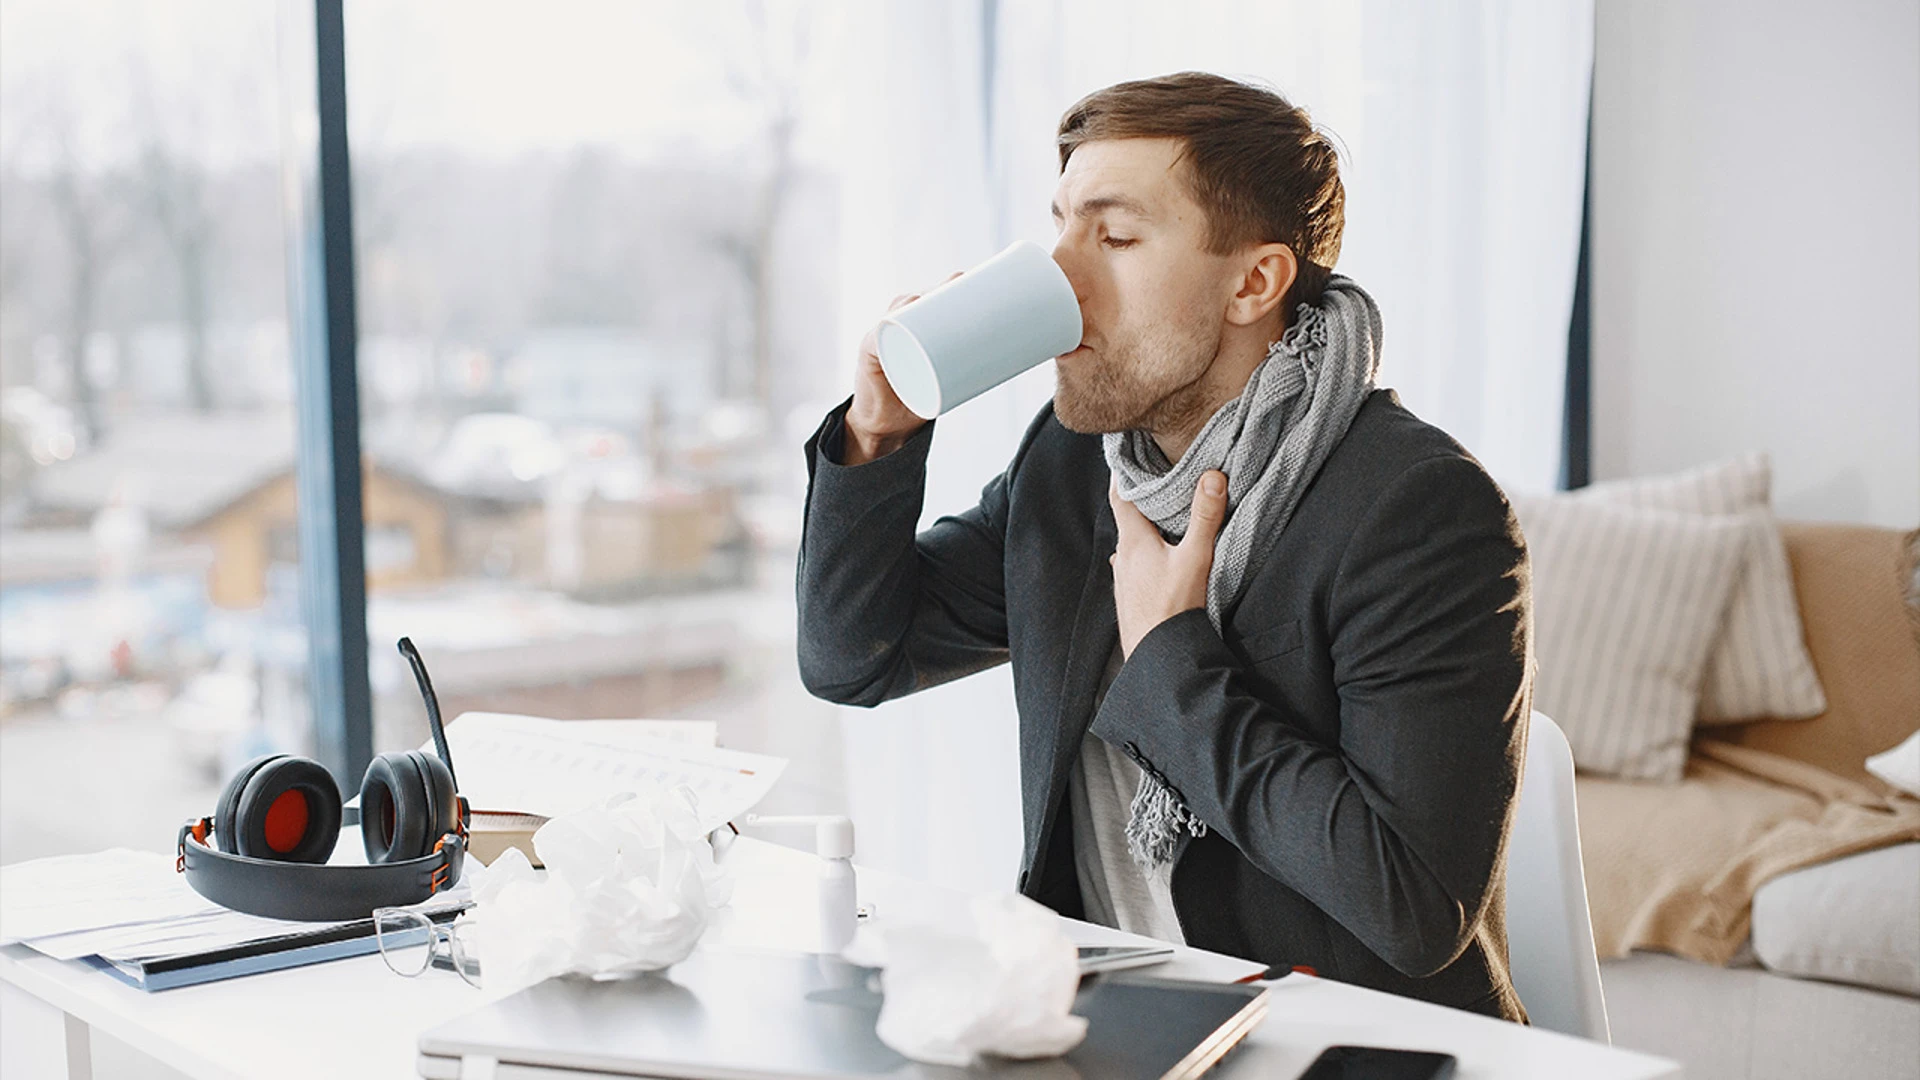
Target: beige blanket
{"type": "Point", "coordinates": [1673, 867]}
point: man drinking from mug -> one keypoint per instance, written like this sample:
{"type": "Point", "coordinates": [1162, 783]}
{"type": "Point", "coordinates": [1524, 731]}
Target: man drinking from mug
{"type": "Point", "coordinates": [1270, 633]}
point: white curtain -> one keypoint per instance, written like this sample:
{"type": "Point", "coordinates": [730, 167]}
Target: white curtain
{"type": "Point", "coordinates": [932, 780]}
{"type": "Point", "coordinates": [1464, 126]}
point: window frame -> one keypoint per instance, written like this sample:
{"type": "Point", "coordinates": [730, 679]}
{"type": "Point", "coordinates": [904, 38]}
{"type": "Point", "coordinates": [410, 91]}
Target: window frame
{"type": "Point", "coordinates": [321, 304]}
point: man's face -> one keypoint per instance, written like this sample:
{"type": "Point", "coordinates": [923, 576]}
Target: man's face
{"type": "Point", "coordinates": [1152, 298]}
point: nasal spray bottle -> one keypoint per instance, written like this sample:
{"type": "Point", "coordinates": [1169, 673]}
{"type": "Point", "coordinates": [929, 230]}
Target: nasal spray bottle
{"type": "Point", "coordinates": [838, 897]}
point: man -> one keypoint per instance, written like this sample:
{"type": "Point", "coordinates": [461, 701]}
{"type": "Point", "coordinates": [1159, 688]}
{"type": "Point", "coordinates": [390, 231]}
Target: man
{"type": "Point", "coordinates": [1270, 633]}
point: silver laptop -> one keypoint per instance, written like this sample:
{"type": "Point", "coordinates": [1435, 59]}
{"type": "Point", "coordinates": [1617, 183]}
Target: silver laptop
{"type": "Point", "coordinates": [751, 1015]}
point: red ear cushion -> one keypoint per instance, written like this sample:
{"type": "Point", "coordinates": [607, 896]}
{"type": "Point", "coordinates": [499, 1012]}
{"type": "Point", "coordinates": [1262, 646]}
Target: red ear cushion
{"type": "Point", "coordinates": [289, 811]}
{"type": "Point", "coordinates": [394, 814]}
{"type": "Point", "coordinates": [225, 832]}
{"type": "Point", "coordinates": [286, 820]}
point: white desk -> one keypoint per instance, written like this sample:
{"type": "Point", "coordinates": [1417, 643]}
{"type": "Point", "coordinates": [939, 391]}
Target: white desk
{"type": "Point", "coordinates": [354, 1018]}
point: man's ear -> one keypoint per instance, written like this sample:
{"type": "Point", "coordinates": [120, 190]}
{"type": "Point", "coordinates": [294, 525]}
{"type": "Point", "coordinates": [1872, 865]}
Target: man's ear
{"type": "Point", "coordinates": [1269, 274]}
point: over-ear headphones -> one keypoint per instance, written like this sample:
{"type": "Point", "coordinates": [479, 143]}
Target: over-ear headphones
{"type": "Point", "coordinates": [279, 817]}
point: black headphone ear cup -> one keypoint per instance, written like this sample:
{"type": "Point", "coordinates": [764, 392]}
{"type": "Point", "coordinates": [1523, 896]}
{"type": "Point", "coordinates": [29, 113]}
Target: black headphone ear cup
{"type": "Point", "coordinates": [288, 811]}
{"type": "Point", "coordinates": [442, 801]}
{"type": "Point", "coordinates": [394, 814]}
{"type": "Point", "coordinates": [225, 831]}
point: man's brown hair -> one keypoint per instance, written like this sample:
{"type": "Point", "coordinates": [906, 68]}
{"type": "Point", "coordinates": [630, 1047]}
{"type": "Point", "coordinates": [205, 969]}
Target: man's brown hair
{"type": "Point", "coordinates": [1255, 162]}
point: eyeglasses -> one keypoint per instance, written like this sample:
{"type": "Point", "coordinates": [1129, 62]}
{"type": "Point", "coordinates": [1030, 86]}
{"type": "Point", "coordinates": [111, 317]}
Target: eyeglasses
{"type": "Point", "coordinates": [410, 943]}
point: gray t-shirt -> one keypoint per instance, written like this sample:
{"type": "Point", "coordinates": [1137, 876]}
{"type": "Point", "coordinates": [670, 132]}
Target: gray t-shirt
{"type": "Point", "coordinates": [1113, 888]}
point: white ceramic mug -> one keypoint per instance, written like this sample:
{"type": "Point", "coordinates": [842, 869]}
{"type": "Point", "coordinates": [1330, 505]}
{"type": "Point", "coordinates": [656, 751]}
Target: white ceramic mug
{"type": "Point", "coordinates": [975, 332]}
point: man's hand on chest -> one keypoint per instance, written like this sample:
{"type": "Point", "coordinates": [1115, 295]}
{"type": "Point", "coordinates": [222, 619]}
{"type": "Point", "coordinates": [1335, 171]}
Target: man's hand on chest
{"type": "Point", "coordinates": [1154, 580]}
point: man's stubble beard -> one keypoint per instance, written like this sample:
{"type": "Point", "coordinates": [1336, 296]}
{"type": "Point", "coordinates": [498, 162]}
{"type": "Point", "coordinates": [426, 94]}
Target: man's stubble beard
{"type": "Point", "coordinates": [1151, 383]}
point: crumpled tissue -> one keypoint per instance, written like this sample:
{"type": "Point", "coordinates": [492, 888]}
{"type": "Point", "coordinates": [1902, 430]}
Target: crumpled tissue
{"type": "Point", "coordinates": [630, 886]}
{"type": "Point", "coordinates": [1003, 986]}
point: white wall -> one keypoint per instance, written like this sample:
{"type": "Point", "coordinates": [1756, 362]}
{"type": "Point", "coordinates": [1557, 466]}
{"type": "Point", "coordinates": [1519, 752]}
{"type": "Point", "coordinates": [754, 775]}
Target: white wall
{"type": "Point", "coordinates": [1756, 246]}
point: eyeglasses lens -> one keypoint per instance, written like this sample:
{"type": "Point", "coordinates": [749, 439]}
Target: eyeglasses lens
{"type": "Point", "coordinates": [405, 939]}
{"type": "Point", "coordinates": [463, 961]}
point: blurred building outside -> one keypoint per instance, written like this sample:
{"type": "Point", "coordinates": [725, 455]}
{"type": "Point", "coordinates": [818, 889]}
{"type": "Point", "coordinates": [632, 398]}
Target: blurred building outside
{"type": "Point", "coordinates": [585, 371]}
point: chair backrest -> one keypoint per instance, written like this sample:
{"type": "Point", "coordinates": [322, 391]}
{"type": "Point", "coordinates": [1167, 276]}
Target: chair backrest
{"type": "Point", "coordinates": [1549, 931]}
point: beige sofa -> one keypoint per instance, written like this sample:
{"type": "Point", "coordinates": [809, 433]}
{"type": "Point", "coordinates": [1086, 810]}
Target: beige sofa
{"type": "Point", "coordinates": [1761, 918]}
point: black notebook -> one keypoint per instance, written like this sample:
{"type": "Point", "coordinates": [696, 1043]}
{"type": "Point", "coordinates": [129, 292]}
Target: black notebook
{"type": "Point", "coordinates": [766, 1014]}
{"type": "Point", "coordinates": [1162, 1028]}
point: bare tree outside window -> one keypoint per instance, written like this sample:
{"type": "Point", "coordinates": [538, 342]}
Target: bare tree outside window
{"type": "Point", "coordinates": [764, 68]}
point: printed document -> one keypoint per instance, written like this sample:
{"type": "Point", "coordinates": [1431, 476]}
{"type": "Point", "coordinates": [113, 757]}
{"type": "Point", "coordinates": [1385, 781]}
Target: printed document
{"type": "Point", "coordinates": [529, 765]}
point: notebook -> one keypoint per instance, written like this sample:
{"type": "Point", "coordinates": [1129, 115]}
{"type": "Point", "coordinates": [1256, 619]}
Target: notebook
{"type": "Point", "coordinates": [330, 941]}
{"type": "Point", "coordinates": [745, 1014]}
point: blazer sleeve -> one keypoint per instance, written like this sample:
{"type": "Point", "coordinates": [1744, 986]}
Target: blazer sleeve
{"type": "Point", "coordinates": [1398, 831]}
{"type": "Point", "coordinates": [884, 612]}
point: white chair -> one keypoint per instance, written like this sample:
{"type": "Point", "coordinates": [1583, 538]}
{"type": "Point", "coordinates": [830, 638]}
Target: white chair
{"type": "Point", "coordinates": [1549, 931]}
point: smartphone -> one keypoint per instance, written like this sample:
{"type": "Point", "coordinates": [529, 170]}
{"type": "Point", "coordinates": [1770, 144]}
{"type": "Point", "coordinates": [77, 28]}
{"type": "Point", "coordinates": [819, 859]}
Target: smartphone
{"type": "Point", "coordinates": [1379, 1063]}
{"type": "Point", "coordinates": [1114, 957]}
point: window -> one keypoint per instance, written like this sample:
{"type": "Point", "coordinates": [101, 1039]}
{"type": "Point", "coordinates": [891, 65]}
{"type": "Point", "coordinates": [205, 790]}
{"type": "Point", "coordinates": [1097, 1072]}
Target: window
{"type": "Point", "coordinates": [150, 637]}
{"type": "Point", "coordinates": [597, 252]}
{"type": "Point", "coordinates": [596, 257]}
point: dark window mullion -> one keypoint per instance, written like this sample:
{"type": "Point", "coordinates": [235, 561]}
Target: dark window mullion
{"type": "Point", "coordinates": [327, 472]}
{"type": "Point", "coordinates": [1576, 447]}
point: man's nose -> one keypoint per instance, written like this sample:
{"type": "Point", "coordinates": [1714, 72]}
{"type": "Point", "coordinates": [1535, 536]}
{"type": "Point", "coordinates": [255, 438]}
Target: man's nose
{"type": "Point", "coordinates": [1064, 254]}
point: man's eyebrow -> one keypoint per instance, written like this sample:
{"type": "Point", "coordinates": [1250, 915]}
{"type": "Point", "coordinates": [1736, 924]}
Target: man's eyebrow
{"type": "Point", "coordinates": [1088, 207]}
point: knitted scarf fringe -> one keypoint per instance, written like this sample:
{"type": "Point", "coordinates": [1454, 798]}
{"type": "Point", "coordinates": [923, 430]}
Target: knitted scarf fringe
{"type": "Point", "coordinates": [1154, 821]}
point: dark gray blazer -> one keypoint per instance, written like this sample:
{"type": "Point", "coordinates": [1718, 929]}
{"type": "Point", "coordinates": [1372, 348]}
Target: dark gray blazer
{"type": "Point", "coordinates": [1353, 739]}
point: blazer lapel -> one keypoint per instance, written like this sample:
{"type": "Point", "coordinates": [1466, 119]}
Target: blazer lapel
{"type": "Point", "coordinates": [1095, 634]}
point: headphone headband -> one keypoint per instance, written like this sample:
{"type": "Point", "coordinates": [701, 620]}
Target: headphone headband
{"type": "Point", "coordinates": [314, 892]}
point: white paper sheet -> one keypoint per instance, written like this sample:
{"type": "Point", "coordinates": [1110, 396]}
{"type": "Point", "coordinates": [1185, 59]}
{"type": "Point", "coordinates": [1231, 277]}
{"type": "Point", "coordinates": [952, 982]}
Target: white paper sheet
{"type": "Point", "coordinates": [68, 893]}
{"type": "Point", "coordinates": [704, 733]}
{"type": "Point", "coordinates": [92, 942]}
{"type": "Point", "coordinates": [167, 937]}
{"type": "Point", "coordinates": [550, 767]}
{"type": "Point", "coordinates": [126, 904]}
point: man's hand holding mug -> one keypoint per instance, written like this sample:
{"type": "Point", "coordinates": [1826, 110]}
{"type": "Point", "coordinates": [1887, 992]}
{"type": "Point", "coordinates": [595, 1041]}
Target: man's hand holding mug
{"type": "Point", "coordinates": [976, 331]}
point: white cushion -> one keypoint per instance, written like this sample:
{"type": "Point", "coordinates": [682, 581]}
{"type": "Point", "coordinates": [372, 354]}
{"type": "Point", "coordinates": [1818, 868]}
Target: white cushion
{"type": "Point", "coordinates": [1899, 766]}
{"type": "Point", "coordinates": [1626, 604]}
{"type": "Point", "coordinates": [1759, 666]}
{"type": "Point", "coordinates": [1852, 920]}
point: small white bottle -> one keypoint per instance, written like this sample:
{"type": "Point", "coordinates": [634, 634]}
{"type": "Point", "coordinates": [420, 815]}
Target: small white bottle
{"type": "Point", "coordinates": [837, 898]}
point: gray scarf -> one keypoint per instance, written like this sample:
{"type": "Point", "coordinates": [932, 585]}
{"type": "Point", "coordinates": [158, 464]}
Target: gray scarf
{"type": "Point", "coordinates": [1270, 441]}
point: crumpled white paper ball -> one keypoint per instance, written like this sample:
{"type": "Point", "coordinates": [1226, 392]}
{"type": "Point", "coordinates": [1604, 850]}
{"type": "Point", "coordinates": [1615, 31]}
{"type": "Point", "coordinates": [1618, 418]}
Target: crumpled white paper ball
{"type": "Point", "coordinates": [1006, 987]}
{"type": "Point", "coordinates": [631, 885]}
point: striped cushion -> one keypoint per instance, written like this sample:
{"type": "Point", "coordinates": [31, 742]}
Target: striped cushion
{"type": "Point", "coordinates": [1760, 666]}
{"type": "Point", "coordinates": [1627, 603]}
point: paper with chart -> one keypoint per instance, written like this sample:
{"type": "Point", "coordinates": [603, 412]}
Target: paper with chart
{"type": "Point", "coordinates": [531, 765]}
{"type": "Point", "coordinates": [70, 893]}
